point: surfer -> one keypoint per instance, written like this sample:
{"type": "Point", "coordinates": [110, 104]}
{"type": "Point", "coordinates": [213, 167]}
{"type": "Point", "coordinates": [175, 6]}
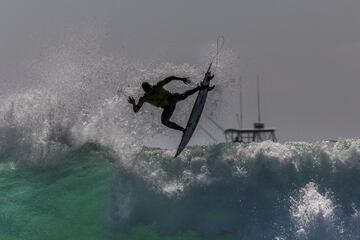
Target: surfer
{"type": "Point", "coordinates": [157, 96]}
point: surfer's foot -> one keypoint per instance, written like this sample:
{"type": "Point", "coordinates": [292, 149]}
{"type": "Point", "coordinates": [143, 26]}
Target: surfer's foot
{"type": "Point", "coordinates": [183, 130]}
{"type": "Point", "coordinates": [207, 87]}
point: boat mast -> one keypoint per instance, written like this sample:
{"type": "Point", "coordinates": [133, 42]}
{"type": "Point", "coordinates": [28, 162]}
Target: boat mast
{"type": "Point", "coordinates": [258, 97]}
{"type": "Point", "coordinates": [258, 124]}
{"type": "Point", "coordinates": [239, 116]}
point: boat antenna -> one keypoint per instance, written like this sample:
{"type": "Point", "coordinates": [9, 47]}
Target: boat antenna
{"type": "Point", "coordinates": [258, 97]}
{"type": "Point", "coordinates": [240, 118]}
{"type": "Point", "coordinates": [241, 104]}
{"type": "Point", "coordinates": [259, 124]}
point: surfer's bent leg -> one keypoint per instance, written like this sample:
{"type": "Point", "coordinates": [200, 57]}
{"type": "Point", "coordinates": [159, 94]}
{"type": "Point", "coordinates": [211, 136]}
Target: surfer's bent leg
{"type": "Point", "coordinates": [186, 94]}
{"type": "Point", "coordinates": [165, 118]}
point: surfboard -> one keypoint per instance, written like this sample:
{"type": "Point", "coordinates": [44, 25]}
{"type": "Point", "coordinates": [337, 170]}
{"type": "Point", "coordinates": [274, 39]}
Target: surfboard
{"type": "Point", "coordinates": [195, 113]}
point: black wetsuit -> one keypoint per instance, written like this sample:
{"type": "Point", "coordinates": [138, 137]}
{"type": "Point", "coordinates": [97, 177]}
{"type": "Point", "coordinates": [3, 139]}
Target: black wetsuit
{"type": "Point", "coordinates": [160, 97]}
{"type": "Point", "coordinates": [170, 108]}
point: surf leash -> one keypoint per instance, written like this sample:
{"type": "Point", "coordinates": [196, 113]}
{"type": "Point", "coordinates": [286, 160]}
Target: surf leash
{"type": "Point", "coordinates": [219, 45]}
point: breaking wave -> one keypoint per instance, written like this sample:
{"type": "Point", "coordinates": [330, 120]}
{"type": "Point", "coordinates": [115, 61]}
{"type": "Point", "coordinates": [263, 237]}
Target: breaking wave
{"type": "Point", "coordinates": [224, 191]}
{"type": "Point", "coordinates": [256, 191]}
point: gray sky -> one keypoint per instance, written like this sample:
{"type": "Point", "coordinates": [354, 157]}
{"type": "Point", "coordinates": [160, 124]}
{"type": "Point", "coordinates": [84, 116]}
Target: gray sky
{"type": "Point", "coordinates": [306, 52]}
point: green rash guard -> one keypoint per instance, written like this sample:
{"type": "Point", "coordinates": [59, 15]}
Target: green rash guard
{"type": "Point", "coordinates": [158, 97]}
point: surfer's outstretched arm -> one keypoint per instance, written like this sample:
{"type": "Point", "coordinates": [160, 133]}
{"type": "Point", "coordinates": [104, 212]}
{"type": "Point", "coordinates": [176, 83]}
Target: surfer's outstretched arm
{"type": "Point", "coordinates": [171, 78]}
{"type": "Point", "coordinates": [136, 107]}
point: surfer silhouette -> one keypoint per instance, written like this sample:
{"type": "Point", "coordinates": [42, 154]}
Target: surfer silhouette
{"type": "Point", "coordinates": [157, 96]}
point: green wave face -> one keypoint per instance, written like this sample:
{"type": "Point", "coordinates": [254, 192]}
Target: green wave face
{"type": "Point", "coordinates": [62, 202]}
{"type": "Point", "coordinates": [65, 201]}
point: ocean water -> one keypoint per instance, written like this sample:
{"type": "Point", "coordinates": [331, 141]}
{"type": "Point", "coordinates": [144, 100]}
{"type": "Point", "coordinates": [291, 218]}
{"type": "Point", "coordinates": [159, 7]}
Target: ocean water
{"type": "Point", "coordinates": [224, 191]}
{"type": "Point", "coordinates": [74, 162]}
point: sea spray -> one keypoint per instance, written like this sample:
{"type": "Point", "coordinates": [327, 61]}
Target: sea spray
{"type": "Point", "coordinates": [80, 96]}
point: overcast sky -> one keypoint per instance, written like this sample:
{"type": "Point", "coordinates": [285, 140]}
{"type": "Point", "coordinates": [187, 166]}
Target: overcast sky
{"type": "Point", "coordinates": [306, 52]}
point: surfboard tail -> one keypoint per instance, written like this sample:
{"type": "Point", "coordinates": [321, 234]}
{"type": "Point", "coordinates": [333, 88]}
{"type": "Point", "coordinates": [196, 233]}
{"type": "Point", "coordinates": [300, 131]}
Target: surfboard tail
{"type": "Point", "coordinates": [177, 153]}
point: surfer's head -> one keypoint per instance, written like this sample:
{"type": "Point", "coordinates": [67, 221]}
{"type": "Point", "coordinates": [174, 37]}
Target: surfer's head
{"type": "Point", "coordinates": [146, 86]}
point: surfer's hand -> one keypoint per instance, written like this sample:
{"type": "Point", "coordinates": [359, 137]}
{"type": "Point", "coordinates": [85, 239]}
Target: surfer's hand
{"type": "Point", "coordinates": [186, 81]}
{"type": "Point", "coordinates": [131, 100]}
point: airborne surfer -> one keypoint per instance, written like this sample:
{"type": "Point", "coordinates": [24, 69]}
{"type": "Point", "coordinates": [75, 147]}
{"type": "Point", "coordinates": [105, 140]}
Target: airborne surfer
{"type": "Point", "coordinates": [157, 96]}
